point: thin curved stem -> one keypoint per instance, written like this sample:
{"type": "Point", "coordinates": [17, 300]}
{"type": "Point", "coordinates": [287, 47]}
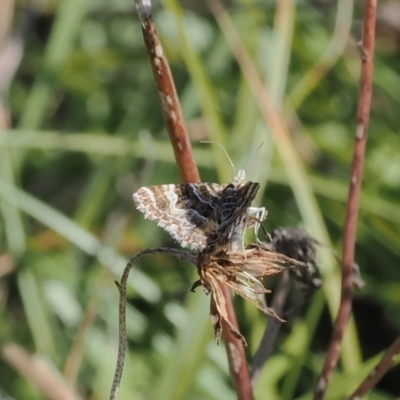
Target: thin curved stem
{"type": "Point", "coordinates": [180, 254]}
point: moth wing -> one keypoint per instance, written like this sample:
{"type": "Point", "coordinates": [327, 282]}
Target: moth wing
{"type": "Point", "coordinates": [185, 211]}
{"type": "Point", "coordinates": [244, 196]}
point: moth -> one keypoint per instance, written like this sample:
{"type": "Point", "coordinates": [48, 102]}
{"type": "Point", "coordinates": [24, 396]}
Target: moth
{"type": "Point", "coordinates": [203, 216]}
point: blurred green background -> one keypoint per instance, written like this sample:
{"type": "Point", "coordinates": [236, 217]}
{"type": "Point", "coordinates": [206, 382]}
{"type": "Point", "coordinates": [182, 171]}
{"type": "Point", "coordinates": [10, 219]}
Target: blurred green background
{"type": "Point", "coordinates": [85, 131]}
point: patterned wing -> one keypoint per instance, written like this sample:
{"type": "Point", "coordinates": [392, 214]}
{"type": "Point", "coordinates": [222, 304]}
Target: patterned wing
{"type": "Point", "coordinates": [186, 211]}
{"type": "Point", "coordinates": [231, 215]}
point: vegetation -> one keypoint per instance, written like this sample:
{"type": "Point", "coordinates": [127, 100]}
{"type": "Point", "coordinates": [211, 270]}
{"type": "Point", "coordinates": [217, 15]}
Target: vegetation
{"type": "Point", "coordinates": [86, 131]}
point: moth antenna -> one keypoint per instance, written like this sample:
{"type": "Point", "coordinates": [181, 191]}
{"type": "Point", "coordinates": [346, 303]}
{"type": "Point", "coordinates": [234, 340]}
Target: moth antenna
{"type": "Point", "coordinates": [223, 148]}
{"type": "Point", "coordinates": [252, 154]}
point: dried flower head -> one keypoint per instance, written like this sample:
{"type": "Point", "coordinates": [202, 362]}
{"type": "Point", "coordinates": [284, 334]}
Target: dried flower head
{"type": "Point", "coordinates": [242, 271]}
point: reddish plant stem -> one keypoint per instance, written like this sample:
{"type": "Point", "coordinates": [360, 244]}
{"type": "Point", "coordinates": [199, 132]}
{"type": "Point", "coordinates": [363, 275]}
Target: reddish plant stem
{"type": "Point", "coordinates": [171, 107]}
{"type": "Point", "coordinates": [377, 373]}
{"type": "Point", "coordinates": [349, 238]}
{"type": "Point", "coordinates": [235, 351]}
{"type": "Point", "coordinates": [184, 158]}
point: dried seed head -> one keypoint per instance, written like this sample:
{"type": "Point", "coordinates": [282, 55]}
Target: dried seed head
{"type": "Point", "coordinates": [242, 271]}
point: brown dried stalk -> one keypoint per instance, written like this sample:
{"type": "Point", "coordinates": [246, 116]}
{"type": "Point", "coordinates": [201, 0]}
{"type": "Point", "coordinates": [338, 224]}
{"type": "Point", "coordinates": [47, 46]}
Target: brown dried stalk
{"type": "Point", "coordinates": [180, 254]}
{"type": "Point", "coordinates": [171, 107]}
{"type": "Point", "coordinates": [379, 371]}
{"type": "Point", "coordinates": [364, 106]}
{"type": "Point", "coordinates": [189, 173]}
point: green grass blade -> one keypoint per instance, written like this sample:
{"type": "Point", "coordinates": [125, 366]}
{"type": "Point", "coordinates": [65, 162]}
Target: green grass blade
{"type": "Point", "coordinates": [68, 23]}
{"type": "Point", "coordinates": [80, 238]}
